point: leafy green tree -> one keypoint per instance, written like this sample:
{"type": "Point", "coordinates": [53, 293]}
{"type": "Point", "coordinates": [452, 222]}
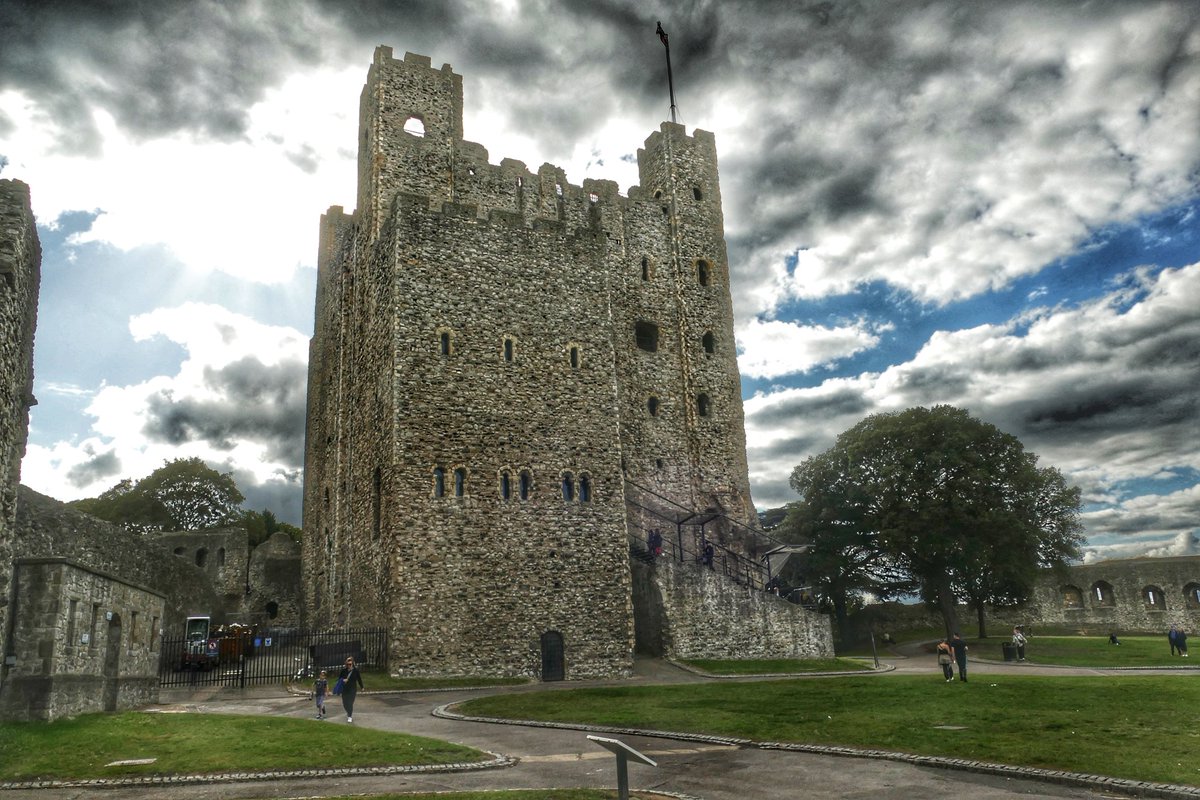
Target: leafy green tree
{"type": "Point", "coordinates": [181, 495]}
{"type": "Point", "coordinates": [958, 506]}
{"type": "Point", "coordinates": [262, 525]}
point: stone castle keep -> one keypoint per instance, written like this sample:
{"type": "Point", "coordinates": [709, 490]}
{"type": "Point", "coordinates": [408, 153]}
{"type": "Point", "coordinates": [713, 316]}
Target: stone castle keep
{"type": "Point", "coordinates": [511, 378]}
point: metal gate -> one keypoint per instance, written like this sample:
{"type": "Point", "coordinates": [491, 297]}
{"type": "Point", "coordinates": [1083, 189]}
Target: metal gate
{"type": "Point", "coordinates": [273, 655]}
{"type": "Point", "coordinates": [553, 666]}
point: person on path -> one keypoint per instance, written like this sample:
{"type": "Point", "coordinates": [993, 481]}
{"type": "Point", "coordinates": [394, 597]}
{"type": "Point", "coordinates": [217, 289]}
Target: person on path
{"type": "Point", "coordinates": [945, 657]}
{"type": "Point", "coordinates": [1181, 642]}
{"type": "Point", "coordinates": [351, 680]}
{"type": "Point", "coordinates": [1018, 640]}
{"type": "Point", "coordinates": [960, 655]}
{"type": "Point", "coordinates": [320, 688]}
{"type": "Point", "coordinates": [1171, 634]}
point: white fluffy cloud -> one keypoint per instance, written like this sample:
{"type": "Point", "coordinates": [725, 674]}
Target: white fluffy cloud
{"type": "Point", "coordinates": [772, 348]}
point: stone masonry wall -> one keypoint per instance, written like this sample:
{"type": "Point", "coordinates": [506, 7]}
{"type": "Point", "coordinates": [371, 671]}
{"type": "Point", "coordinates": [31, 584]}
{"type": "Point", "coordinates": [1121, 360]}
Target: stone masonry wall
{"type": "Point", "coordinates": [684, 611]}
{"type": "Point", "coordinates": [496, 352]}
{"type": "Point", "coordinates": [20, 277]}
{"type": "Point", "coordinates": [82, 642]}
{"type": "Point", "coordinates": [1124, 595]}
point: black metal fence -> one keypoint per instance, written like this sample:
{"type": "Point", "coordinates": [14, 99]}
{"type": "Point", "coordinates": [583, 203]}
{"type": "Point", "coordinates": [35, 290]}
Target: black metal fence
{"type": "Point", "coordinates": [273, 655]}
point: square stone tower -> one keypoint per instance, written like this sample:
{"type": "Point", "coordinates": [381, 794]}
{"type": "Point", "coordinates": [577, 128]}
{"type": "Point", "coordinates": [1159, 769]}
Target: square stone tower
{"type": "Point", "coordinates": [509, 376]}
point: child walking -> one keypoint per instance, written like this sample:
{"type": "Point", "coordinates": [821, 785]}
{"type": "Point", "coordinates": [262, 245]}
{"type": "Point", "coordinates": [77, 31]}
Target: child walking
{"type": "Point", "coordinates": [320, 688]}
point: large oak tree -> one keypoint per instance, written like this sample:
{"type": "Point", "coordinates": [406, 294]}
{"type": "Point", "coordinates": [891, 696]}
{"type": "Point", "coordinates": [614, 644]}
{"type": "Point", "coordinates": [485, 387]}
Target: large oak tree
{"type": "Point", "coordinates": [957, 505]}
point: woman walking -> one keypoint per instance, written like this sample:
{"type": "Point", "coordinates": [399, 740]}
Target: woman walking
{"type": "Point", "coordinates": [351, 681]}
{"type": "Point", "coordinates": [945, 656]}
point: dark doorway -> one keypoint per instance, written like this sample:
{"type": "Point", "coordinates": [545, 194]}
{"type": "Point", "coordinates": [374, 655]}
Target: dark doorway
{"type": "Point", "coordinates": [112, 663]}
{"type": "Point", "coordinates": [553, 668]}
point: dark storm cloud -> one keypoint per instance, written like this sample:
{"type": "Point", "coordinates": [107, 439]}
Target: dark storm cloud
{"type": "Point", "coordinates": [835, 404]}
{"type": "Point", "coordinates": [99, 467]}
{"type": "Point", "coordinates": [256, 402]}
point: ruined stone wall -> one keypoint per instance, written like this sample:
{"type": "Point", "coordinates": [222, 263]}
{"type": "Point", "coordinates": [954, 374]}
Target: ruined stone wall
{"type": "Point", "coordinates": [220, 553]}
{"type": "Point", "coordinates": [685, 611]}
{"type": "Point", "coordinates": [480, 387]}
{"type": "Point", "coordinates": [82, 642]}
{"type": "Point", "coordinates": [46, 528]}
{"type": "Point", "coordinates": [1122, 595]}
{"type": "Point", "coordinates": [274, 597]}
{"type": "Point", "coordinates": [20, 277]}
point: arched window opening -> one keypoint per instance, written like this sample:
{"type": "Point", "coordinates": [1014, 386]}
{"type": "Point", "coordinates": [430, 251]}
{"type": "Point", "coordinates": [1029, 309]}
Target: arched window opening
{"type": "Point", "coordinates": [444, 343]}
{"type": "Point", "coordinates": [709, 342]}
{"type": "Point", "coordinates": [508, 349]}
{"type": "Point", "coordinates": [652, 405]}
{"type": "Point", "coordinates": [568, 486]}
{"type": "Point", "coordinates": [558, 190]}
{"type": "Point", "coordinates": [645, 268]}
{"type": "Point", "coordinates": [178, 551]}
{"type": "Point", "coordinates": [272, 609]}
{"type": "Point", "coordinates": [415, 126]}
{"type": "Point", "coordinates": [697, 194]}
{"type": "Point", "coordinates": [658, 195]}
{"type": "Point", "coordinates": [1102, 594]}
{"type": "Point", "coordinates": [593, 197]}
{"type": "Point", "coordinates": [520, 181]}
{"type": "Point", "coordinates": [1154, 598]}
{"type": "Point", "coordinates": [1072, 597]}
{"type": "Point", "coordinates": [201, 557]}
{"type": "Point", "coordinates": [585, 489]}
{"type": "Point", "coordinates": [439, 482]}
{"type": "Point", "coordinates": [658, 463]}
{"type": "Point", "coordinates": [505, 486]}
{"type": "Point", "coordinates": [646, 335]}
{"type": "Point", "coordinates": [702, 272]}
{"type": "Point", "coordinates": [460, 482]}
{"type": "Point", "coordinates": [1191, 595]}
{"type": "Point", "coordinates": [574, 358]}
{"type": "Point", "coordinates": [702, 405]}
{"type": "Point", "coordinates": [526, 484]}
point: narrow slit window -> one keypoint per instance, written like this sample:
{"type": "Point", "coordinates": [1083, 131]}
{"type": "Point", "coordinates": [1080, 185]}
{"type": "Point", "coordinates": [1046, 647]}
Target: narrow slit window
{"type": "Point", "coordinates": [505, 486]}
{"type": "Point", "coordinates": [526, 484]}
{"type": "Point", "coordinates": [696, 193]}
{"type": "Point", "coordinates": [703, 272]}
{"type": "Point", "coordinates": [460, 482]}
{"type": "Point", "coordinates": [439, 482]}
{"type": "Point", "coordinates": [652, 405]}
{"type": "Point", "coordinates": [508, 349]}
{"type": "Point", "coordinates": [574, 358]}
{"type": "Point", "coordinates": [585, 489]}
{"type": "Point", "coordinates": [444, 343]}
{"type": "Point", "coordinates": [568, 486]}
{"type": "Point", "coordinates": [709, 342]}
{"type": "Point", "coordinates": [702, 405]}
{"type": "Point", "coordinates": [645, 268]}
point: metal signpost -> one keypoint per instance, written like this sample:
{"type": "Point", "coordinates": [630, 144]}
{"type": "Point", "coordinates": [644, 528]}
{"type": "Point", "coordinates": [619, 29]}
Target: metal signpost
{"type": "Point", "coordinates": [623, 752]}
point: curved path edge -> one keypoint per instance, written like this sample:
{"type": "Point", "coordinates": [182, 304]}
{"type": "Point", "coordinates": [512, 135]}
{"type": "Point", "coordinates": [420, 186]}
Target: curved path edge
{"type": "Point", "coordinates": [497, 761]}
{"type": "Point", "coordinates": [1078, 779]}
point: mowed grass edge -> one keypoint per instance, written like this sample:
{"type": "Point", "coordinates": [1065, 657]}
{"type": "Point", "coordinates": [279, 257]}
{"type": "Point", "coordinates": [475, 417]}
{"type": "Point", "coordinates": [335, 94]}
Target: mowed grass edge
{"type": "Point", "coordinates": [186, 744]}
{"type": "Point", "coordinates": [1121, 726]}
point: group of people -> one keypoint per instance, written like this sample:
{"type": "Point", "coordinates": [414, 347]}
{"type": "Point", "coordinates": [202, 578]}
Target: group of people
{"type": "Point", "coordinates": [349, 681]}
{"type": "Point", "coordinates": [950, 652]}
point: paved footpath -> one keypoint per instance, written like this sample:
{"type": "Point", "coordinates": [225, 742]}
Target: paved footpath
{"type": "Point", "coordinates": [557, 758]}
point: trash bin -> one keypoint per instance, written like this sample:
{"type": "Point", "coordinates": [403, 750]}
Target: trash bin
{"type": "Point", "coordinates": [1010, 651]}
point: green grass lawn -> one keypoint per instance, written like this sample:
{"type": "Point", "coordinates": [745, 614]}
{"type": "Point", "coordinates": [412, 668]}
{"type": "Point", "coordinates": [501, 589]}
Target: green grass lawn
{"type": "Point", "coordinates": [185, 744]}
{"type": "Point", "coordinates": [1092, 651]}
{"type": "Point", "coordinates": [775, 666]}
{"type": "Point", "coordinates": [1140, 727]}
{"type": "Point", "coordinates": [515, 794]}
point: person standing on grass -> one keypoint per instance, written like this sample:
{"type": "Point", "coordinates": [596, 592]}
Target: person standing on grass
{"type": "Point", "coordinates": [351, 681]}
{"type": "Point", "coordinates": [1171, 634]}
{"type": "Point", "coordinates": [1018, 640]}
{"type": "Point", "coordinates": [945, 657]}
{"type": "Point", "coordinates": [320, 688]}
{"type": "Point", "coordinates": [1181, 642]}
{"type": "Point", "coordinates": [960, 655]}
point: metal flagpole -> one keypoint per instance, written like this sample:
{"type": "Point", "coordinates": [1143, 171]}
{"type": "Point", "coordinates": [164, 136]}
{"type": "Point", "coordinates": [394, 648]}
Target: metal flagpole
{"type": "Point", "coordinates": [662, 35]}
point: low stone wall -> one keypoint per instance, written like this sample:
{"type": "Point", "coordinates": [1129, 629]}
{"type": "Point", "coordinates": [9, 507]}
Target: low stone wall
{"type": "Point", "coordinates": [686, 611]}
{"type": "Point", "coordinates": [82, 641]}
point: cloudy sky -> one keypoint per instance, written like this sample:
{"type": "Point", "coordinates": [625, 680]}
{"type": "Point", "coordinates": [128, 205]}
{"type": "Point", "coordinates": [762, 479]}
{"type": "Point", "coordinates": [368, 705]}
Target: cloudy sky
{"type": "Point", "coordinates": [994, 205]}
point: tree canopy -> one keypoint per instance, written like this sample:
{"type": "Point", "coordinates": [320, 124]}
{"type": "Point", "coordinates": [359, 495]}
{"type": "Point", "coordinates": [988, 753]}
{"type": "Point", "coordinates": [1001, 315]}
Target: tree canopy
{"type": "Point", "coordinates": [937, 500]}
{"type": "Point", "coordinates": [181, 495]}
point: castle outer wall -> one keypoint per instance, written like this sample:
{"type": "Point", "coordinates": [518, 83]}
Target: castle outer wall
{"type": "Point", "coordinates": [20, 278]}
{"type": "Point", "coordinates": [498, 355]}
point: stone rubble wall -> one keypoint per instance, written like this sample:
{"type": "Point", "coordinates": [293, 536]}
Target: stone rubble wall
{"type": "Point", "coordinates": [20, 278]}
{"type": "Point", "coordinates": [686, 611]}
{"type": "Point", "coordinates": [82, 642]}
